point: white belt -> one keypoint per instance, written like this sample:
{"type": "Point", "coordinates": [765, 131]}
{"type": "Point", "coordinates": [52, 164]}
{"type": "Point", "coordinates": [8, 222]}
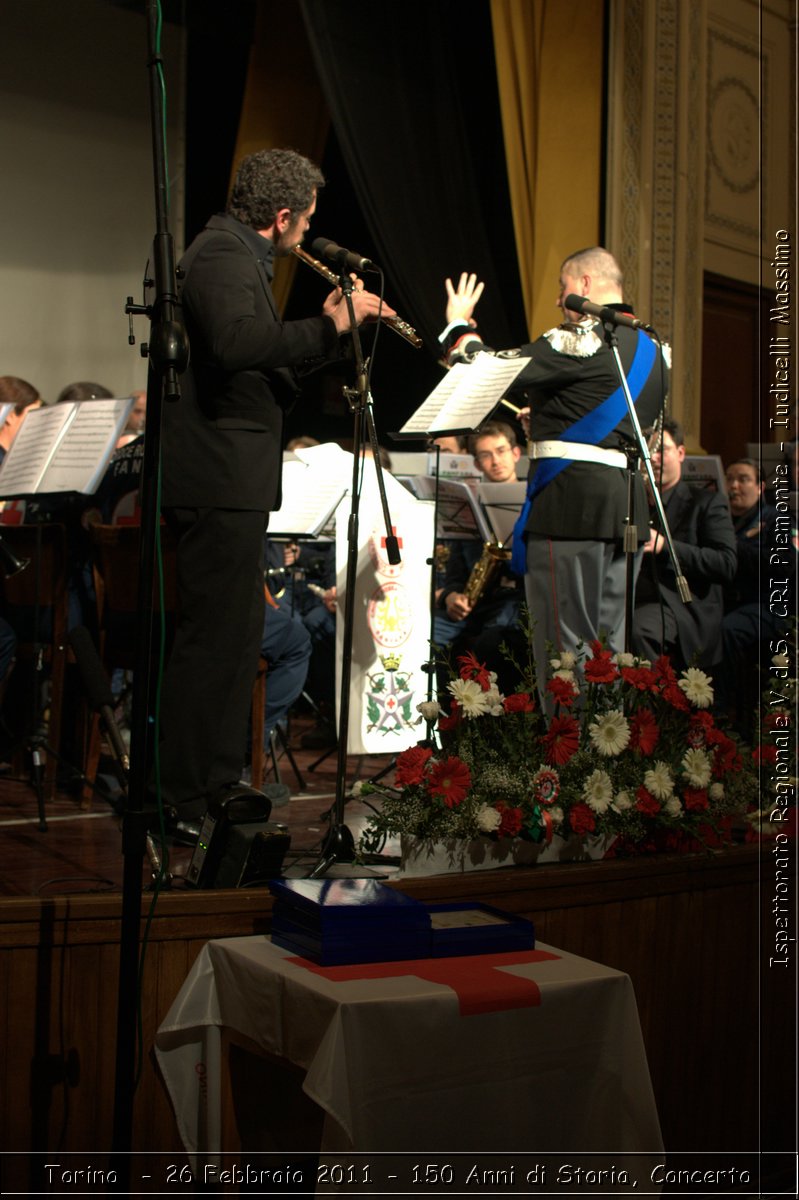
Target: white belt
{"type": "Point", "coordinates": [579, 451]}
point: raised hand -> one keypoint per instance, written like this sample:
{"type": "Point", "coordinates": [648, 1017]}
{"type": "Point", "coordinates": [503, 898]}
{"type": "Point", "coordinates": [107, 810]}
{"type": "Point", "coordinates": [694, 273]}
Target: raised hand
{"type": "Point", "coordinates": [462, 300]}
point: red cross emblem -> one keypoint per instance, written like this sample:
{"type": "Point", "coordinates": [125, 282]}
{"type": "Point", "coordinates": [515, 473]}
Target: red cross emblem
{"type": "Point", "coordinates": [479, 986]}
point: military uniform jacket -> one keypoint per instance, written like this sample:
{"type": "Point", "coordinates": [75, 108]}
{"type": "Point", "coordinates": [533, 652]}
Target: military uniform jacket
{"type": "Point", "coordinates": [222, 440]}
{"type": "Point", "coordinates": [571, 373]}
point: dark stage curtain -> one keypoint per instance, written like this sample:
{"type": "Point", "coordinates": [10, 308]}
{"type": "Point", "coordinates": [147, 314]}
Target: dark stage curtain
{"type": "Point", "coordinates": [412, 94]}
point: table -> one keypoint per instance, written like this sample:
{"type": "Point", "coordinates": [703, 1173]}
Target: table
{"type": "Point", "coordinates": [533, 1050]}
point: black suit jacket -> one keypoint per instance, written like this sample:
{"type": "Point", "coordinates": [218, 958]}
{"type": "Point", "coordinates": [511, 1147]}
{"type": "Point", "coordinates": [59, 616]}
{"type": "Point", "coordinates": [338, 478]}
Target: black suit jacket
{"type": "Point", "coordinates": [222, 441]}
{"type": "Point", "coordinates": [704, 542]}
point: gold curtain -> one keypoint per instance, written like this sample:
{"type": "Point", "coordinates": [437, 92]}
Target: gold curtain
{"type": "Point", "coordinates": [550, 78]}
{"type": "Point", "coordinates": [283, 103]}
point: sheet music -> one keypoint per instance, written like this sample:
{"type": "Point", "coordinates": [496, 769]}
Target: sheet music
{"type": "Point", "coordinates": [459, 514]}
{"type": "Point", "coordinates": [309, 499]}
{"type": "Point", "coordinates": [465, 396]}
{"type": "Point", "coordinates": [63, 447]}
{"type": "Point", "coordinates": [502, 504]}
{"type": "Point", "coordinates": [31, 450]}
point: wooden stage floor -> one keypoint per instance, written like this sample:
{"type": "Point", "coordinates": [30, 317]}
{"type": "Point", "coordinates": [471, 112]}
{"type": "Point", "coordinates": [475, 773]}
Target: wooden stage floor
{"type": "Point", "coordinates": [81, 852]}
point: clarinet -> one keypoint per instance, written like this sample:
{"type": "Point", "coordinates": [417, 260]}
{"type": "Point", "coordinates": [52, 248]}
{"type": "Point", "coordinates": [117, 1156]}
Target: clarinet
{"type": "Point", "coordinates": [396, 323]}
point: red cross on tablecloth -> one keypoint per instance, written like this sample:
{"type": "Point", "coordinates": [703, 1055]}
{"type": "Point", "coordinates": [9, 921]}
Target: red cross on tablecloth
{"type": "Point", "coordinates": [393, 534]}
{"type": "Point", "coordinates": [479, 986]}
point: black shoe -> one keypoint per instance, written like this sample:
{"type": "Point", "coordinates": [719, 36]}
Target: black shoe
{"type": "Point", "coordinates": [321, 737]}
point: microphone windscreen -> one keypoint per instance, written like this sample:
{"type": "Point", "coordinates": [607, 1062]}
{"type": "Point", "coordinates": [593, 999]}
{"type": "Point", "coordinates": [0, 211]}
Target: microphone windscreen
{"type": "Point", "coordinates": [94, 678]}
{"type": "Point", "coordinates": [574, 303]}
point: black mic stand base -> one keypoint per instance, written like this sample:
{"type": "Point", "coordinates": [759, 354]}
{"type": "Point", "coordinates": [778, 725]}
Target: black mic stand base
{"type": "Point", "coordinates": [338, 846]}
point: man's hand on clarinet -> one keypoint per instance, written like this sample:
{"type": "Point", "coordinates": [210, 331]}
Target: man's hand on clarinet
{"type": "Point", "coordinates": [366, 306]}
{"type": "Point", "coordinates": [462, 300]}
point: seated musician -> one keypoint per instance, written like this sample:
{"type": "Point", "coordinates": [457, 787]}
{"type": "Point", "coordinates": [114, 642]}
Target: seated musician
{"type": "Point", "coordinates": [471, 617]}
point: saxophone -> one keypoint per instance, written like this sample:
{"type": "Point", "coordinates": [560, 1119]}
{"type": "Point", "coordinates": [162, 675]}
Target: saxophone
{"type": "Point", "coordinates": [484, 570]}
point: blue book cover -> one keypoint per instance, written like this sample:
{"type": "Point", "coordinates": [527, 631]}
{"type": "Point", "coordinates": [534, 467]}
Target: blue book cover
{"type": "Point", "coordinates": [324, 903]}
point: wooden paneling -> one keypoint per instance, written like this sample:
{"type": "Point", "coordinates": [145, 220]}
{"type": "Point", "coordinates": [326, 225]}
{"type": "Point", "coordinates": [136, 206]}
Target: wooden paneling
{"type": "Point", "coordinates": [684, 929]}
{"type": "Point", "coordinates": [734, 367]}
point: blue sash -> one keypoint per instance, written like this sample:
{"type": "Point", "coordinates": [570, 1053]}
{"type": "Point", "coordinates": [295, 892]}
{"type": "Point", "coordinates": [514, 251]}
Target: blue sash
{"type": "Point", "coordinates": [591, 429]}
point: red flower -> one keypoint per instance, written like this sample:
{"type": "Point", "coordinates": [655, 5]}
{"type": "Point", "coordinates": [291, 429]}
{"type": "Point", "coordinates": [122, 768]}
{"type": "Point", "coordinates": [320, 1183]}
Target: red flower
{"type": "Point", "coordinates": [562, 740]}
{"type": "Point", "coordinates": [764, 754]}
{"type": "Point", "coordinates": [695, 799]}
{"type": "Point", "coordinates": [562, 690]}
{"type": "Point", "coordinates": [663, 669]}
{"type": "Point", "coordinates": [676, 697]}
{"type": "Point", "coordinates": [445, 724]}
{"type": "Point", "coordinates": [472, 669]}
{"type": "Point", "coordinates": [725, 755]}
{"type": "Point", "coordinates": [701, 730]}
{"type": "Point", "coordinates": [450, 779]}
{"type": "Point", "coordinates": [644, 731]}
{"type": "Point", "coordinates": [641, 678]}
{"type": "Point", "coordinates": [582, 820]}
{"type": "Point", "coordinates": [519, 702]}
{"type": "Point", "coordinates": [511, 822]}
{"type": "Point", "coordinates": [600, 669]}
{"type": "Point", "coordinates": [410, 766]}
{"type": "Point", "coordinates": [645, 802]}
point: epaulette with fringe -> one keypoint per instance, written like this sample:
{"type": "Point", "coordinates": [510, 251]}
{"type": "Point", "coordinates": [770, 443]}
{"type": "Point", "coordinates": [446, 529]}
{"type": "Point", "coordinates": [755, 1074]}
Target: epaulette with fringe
{"type": "Point", "coordinates": [579, 341]}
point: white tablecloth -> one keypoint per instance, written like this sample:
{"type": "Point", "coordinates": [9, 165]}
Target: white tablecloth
{"type": "Point", "coordinates": [402, 1062]}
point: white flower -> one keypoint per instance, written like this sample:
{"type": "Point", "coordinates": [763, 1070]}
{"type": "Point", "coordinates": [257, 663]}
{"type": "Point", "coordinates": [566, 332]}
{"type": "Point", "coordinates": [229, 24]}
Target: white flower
{"type": "Point", "coordinates": [672, 807]}
{"type": "Point", "coordinates": [356, 788]}
{"type": "Point", "coordinates": [566, 662]}
{"type": "Point", "coordinates": [488, 819]}
{"type": "Point", "coordinates": [623, 659]}
{"type": "Point", "coordinates": [697, 687]}
{"type": "Point", "coordinates": [716, 791]}
{"type": "Point", "coordinates": [696, 766]}
{"type": "Point", "coordinates": [429, 709]}
{"type": "Point", "coordinates": [494, 702]}
{"type": "Point", "coordinates": [658, 781]}
{"type": "Point", "coordinates": [470, 696]}
{"type": "Point", "coordinates": [610, 733]}
{"type": "Point", "coordinates": [622, 802]}
{"type": "Point", "coordinates": [598, 791]}
{"type": "Point", "coordinates": [781, 661]}
{"type": "Point", "coordinates": [556, 815]}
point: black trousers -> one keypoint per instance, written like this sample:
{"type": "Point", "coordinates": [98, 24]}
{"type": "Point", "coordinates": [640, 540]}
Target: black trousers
{"type": "Point", "coordinates": [207, 688]}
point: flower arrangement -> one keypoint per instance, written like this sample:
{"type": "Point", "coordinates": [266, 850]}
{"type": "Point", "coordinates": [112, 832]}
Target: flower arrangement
{"type": "Point", "coordinates": [629, 751]}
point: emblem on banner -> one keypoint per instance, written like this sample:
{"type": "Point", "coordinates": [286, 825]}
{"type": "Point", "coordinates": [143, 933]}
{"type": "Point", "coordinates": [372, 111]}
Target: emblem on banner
{"type": "Point", "coordinates": [389, 615]}
{"type": "Point", "coordinates": [389, 697]}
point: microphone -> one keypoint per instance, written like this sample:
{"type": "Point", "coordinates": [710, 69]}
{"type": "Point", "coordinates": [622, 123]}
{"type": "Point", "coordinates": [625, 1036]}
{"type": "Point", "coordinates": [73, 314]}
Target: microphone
{"type": "Point", "coordinates": [345, 260]}
{"type": "Point", "coordinates": [98, 690]}
{"type": "Point", "coordinates": [607, 316]}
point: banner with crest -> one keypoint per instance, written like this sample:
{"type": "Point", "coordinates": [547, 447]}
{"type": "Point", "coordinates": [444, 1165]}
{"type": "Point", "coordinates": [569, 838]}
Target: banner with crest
{"type": "Point", "coordinates": [392, 618]}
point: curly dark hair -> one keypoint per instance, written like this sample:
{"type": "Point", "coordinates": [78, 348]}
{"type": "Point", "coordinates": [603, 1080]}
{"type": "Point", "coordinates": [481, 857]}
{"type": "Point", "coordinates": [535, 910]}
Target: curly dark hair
{"type": "Point", "coordinates": [270, 180]}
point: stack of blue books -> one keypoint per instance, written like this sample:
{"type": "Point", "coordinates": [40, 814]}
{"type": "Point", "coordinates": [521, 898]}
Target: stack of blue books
{"type": "Point", "coordinates": [338, 921]}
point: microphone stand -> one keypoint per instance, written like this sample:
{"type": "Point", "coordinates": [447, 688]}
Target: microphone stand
{"type": "Point", "coordinates": [168, 358]}
{"type": "Point", "coordinates": [631, 531]}
{"type": "Point", "coordinates": [431, 666]}
{"type": "Point", "coordinates": [339, 845]}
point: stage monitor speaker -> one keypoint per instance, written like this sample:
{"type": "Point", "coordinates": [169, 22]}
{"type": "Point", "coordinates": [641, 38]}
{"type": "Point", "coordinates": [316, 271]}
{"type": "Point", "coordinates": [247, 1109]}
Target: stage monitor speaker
{"type": "Point", "coordinates": [238, 845]}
